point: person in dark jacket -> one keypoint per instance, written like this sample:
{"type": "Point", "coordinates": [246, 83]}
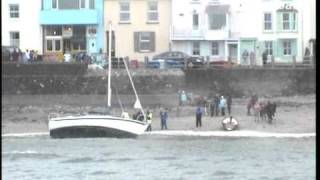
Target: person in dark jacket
{"type": "Point", "coordinates": [229, 103]}
{"type": "Point", "coordinates": [264, 57]}
{"type": "Point", "coordinates": [216, 104]}
{"type": "Point", "coordinates": [212, 107]}
{"type": "Point", "coordinates": [164, 118]}
{"type": "Point", "coordinates": [15, 55]}
{"type": "Point", "coordinates": [199, 113]}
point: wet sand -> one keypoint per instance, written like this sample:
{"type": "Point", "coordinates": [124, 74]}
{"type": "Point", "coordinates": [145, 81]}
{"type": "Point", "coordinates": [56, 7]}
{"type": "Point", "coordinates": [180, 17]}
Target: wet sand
{"type": "Point", "coordinates": [29, 113]}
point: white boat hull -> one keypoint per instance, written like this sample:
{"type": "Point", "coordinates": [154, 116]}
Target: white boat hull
{"type": "Point", "coordinates": [230, 123]}
{"type": "Point", "coordinates": [95, 126]}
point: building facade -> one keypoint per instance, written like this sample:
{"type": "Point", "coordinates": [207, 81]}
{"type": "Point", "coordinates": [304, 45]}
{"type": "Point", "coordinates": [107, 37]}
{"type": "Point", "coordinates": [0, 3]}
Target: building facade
{"type": "Point", "coordinates": [140, 27]}
{"type": "Point", "coordinates": [20, 24]}
{"type": "Point", "coordinates": [72, 26]}
{"type": "Point", "coordinates": [228, 30]}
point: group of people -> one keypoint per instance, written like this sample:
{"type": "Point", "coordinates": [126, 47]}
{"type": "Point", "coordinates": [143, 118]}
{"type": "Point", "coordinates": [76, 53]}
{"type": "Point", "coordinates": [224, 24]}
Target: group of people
{"type": "Point", "coordinates": [219, 105]}
{"type": "Point", "coordinates": [251, 56]}
{"type": "Point", "coordinates": [262, 108]}
{"type": "Point", "coordinates": [24, 57]}
{"type": "Point", "coordinates": [163, 118]}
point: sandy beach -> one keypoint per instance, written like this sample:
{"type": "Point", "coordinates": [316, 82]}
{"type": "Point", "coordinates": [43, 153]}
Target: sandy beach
{"type": "Point", "coordinates": [29, 113]}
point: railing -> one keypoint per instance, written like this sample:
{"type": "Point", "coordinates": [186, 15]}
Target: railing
{"type": "Point", "coordinates": [101, 59]}
{"type": "Point", "coordinates": [177, 33]}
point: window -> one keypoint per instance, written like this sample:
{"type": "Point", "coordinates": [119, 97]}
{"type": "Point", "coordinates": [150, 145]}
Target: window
{"type": "Point", "coordinates": [68, 4]}
{"type": "Point", "coordinates": [286, 47]}
{"type": "Point", "coordinates": [54, 31]}
{"type": "Point", "coordinates": [14, 39]}
{"type": "Point", "coordinates": [153, 10]}
{"type": "Point", "coordinates": [285, 21]}
{"type": "Point", "coordinates": [195, 20]}
{"type": "Point", "coordinates": [144, 41]}
{"type": "Point", "coordinates": [267, 21]}
{"type": "Point", "coordinates": [83, 3]}
{"type": "Point", "coordinates": [14, 10]}
{"type": "Point", "coordinates": [293, 21]}
{"type": "Point", "coordinates": [288, 20]}
{"type": "Point", "coordinates": [215, 48]}
{"type": "Point", "coordinates": [268, 47]}
{"type": "Point", "coordinates": [216, 21]}
{"type": "Point", "coordinates": [196, 48]}
{"type": "Point", "coordinates": [58, 45]}
{"type": "Point", "coordinates": [124, 11]}
{"type": "Point", "coordinates": [53, 45]}
{"type": "Point", "coordinates": [54, 4]}
{"type": "Point", "coordinates": [78, 39]}
{"type": "Point", "coordinates": [92, 31]}
{"type": "Point", "coordinates": [91, 4]}
{"type": "Point", "coordinates": [49, 45]}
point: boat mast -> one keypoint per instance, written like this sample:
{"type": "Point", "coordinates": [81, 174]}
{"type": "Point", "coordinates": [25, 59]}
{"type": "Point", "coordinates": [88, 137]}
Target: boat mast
{"type": "Point", "coordinates": [109, 64]}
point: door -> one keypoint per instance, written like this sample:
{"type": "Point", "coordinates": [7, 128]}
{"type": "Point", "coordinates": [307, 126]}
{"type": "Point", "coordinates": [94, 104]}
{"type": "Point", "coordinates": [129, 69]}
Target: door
{"type": "Point", "coordinates": [66, 46]}
{"type": "Point", "coordinates": [92, 45]}
{"type": "Point", "coordinates": [233, 52]}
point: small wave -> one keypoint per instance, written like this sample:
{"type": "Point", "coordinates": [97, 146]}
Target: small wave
{"type": "Point", "coordinates": [118, 159]}
{"type": "Point", "coordinates": [78, 160]}
{"type": "Point", "coordinates": [223, 173]}
{"type": "Point", "coordinates": [164, 158]}
{"type": "Point", "coordinates": [103, 173]}
{"type": "Point", "coordinates": [201, 160]}
{"type": "Point", "coordinates": [25, 134]}
{"type": "Point", "coordinates": [29, 154]}
{"type": "Point", "coordinates": [232, 134]}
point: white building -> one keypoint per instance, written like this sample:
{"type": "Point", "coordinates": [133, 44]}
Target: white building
{"type": "Point", "coordinates": [20, 24]}
{"type": "Point", "coordinates": [224, 29]}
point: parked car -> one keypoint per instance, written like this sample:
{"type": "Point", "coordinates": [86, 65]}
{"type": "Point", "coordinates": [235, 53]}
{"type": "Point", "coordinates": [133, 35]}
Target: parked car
{"type": "Point", "coordinates": [164, 63]}
{"type": "Point", "coordinates": [195, 62]}
{"type": "Point", "coordinates": [173, 59]}
{"type": "Point", "coordinates": [156, 64]}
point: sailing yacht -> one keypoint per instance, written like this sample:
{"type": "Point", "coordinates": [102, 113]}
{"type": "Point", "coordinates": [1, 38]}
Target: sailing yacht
{"type": "Point", "coordinates": [77, 126]}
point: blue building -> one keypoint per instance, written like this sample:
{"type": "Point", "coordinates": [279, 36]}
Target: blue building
{"type": "Point", "coordinates": [72, 26]}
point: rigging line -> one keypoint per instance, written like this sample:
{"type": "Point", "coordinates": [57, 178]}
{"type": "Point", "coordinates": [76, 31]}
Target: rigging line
{"type": "Point", "coordinates": [132, 84]}
{"type": "Point", "coordinates": [118, 97]}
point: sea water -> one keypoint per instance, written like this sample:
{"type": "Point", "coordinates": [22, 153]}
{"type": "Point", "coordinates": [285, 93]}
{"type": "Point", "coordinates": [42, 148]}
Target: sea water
{"type": "Point", "coordinates": [158, 156]}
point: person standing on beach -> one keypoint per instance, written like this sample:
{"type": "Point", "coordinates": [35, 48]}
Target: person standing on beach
{"type": "Point", "coordinates": [15, 55]}
{"type": "Point", "coordinates": [222, 106]}
{"type": "Point", "coordinates": [164, 117]}
{"type": "Point", "coordinates": [229, 102]}
{"type": "Point", "coordinates": [217, 102]}
{"type": "Point", "coordinates": [199, 113]}
{"type": "Point", "coordinates": [149, 120]}
{"type": "Point", "coordinates": [264, 57]}
{"type": "Point", "coordinates": [212, 107]}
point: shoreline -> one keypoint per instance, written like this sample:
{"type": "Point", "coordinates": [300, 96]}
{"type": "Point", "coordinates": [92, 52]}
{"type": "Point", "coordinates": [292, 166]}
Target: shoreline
{"type": "Point", "coordinates": [28, 113]}
{"type": "Point", "coordinates": [196, 134]}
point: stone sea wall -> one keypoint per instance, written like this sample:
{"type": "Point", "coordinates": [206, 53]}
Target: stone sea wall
{"type": "Point", "coordinates": [76, 79]}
